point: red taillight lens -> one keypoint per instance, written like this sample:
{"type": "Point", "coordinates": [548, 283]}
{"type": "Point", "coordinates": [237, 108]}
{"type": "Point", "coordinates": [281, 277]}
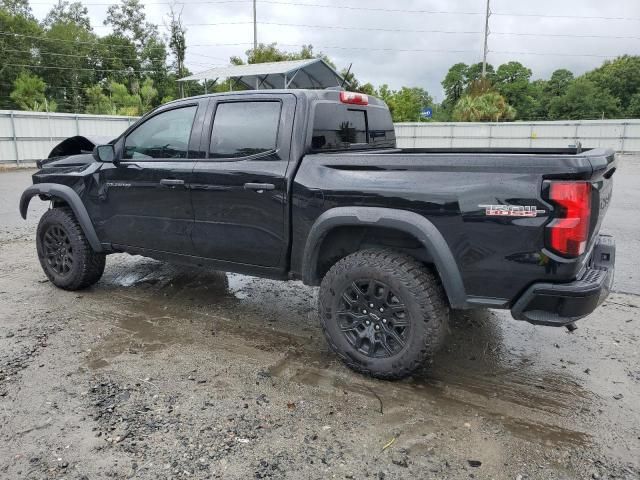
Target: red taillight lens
{"type": "Point", "coordinates": [569, 232]}
{"type": "Point", "coordinates": [354, 98]}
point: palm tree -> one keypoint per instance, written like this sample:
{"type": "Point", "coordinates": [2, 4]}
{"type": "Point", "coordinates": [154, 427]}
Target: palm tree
{"type": "Point", "coordinates": [487, 107]}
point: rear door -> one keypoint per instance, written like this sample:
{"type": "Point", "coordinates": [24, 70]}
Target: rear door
{"type": "Point", "coordinates": [239, 191]}
{"type": "Point", "coordinates": [146, 201]}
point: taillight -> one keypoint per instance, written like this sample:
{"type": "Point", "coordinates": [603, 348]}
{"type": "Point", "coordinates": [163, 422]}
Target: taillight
{"type": "Point", "coordinates": [354, 98]}
{"type": "Point", "coordinates": [569, 232]}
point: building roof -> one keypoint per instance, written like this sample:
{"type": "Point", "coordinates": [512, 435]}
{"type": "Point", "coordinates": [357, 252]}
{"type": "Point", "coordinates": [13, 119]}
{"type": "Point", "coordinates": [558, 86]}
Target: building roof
{"type": "Point", "coordinates": [311, 73]}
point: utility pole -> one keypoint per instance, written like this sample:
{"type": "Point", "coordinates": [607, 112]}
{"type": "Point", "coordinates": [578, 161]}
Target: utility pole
{"type": "Point", "coordinates": [486, 39]}
{"type": "Point", "coordinates": [255, 37]}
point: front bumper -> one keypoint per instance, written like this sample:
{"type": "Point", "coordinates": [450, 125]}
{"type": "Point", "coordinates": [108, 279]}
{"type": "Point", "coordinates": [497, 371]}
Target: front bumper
{"type": "Point", "coordinates": [560, 304]}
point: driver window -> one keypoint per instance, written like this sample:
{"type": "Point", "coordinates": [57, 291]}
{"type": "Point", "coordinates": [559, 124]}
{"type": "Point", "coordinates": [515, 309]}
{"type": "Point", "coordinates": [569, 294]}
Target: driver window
{"type": "Point", "coordinates": [164, 136]}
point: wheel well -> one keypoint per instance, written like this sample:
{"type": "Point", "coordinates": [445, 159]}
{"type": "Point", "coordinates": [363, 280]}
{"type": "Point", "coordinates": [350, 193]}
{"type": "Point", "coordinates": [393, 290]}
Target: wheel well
{"type": "Point", "coordinates": [345, 240]}
{"type": "Point", "coordinates": [56, 202]}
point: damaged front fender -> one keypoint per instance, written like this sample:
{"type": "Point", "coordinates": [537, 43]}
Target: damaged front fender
{"type": "Point", "coordinates": [71, 198]}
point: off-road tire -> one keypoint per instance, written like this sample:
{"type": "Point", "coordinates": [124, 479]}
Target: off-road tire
{"type": "Point", "coordinates": [87, 266]}
{"type": "Point", "coordinates": [421, 292]}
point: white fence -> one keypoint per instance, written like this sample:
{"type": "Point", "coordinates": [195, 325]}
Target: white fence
{"type": "Point", "coordinates": [28, 136]}
{"type": "Point", "coordinates": [620, 135]}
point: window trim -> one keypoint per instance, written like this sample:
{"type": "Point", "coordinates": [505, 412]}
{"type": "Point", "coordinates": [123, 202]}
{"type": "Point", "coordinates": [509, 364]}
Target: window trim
{"type": "Point", "coordinates": [246, 157]}
{"type": "Point", "coordinates": [154, 115]}
{"type": "Point", "coordinates": [366, 126]}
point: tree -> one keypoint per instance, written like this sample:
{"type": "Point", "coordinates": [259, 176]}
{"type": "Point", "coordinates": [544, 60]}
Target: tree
{"type": "Point", "coordinates": [177, 42]}
{"type": "Point", "coordinates": [69, 48]}
{"type": "Point", "coordinates": [117, 56]}
{"type": "Point", "coordinates": [407, 104]}
{"type": "Point", "coordinates": [474, 72]}
{"type": "Point", "coordinates": [98, 103]}
{"type": "Point", "coordinates": [455, 83]}
{"type": "Point", "coordinates": [621, 77]}
{"type": "Point", "coordinates": [154, 65]}
{"type": "Point", "coordinates": [16, 50]}
{"type": "Point", "coordinates": [125, 103]}
{"type": "Point", "coordinates": [177, 39]}
{"type": "Point", "coordinates": [28, 93]}
{"type": "Point", "coordinates": [584, 100]}
{"type": "Point", "coordinates": [488, 107]}
{"type": "Point", "coordinates": [20, 8]}
{"type": "Point", "coordinates": [129, 20]}
{"type": "Point", "coordinates": [559, 82]}
{"type": "Point", "coordinates": [65, 12]}
{"type": "Point", "coordinates": [634, 107]}
{"type": "Point", "coordinates": [511, 80]}
{"type": "Point", "coordinates": [147, 95]}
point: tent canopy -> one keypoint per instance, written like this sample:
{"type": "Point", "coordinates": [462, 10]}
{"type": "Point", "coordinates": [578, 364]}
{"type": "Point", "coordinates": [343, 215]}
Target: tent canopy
{"type": "Point", "coordinates": [312, 73]}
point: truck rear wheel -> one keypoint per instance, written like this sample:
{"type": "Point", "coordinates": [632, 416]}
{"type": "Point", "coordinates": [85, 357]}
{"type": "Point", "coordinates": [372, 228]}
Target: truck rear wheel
{"type": "Point", "coordinates": [383, 312]}
{"type": "Point", "coordinates": [64, 252]}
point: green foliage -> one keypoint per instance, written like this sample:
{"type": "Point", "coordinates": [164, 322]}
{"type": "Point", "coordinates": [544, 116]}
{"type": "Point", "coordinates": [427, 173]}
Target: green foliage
{"type": "Point", "coordinates": [621, 77]}
{"type": "Point", "coordinates": [488, 107]}
{"type": "Point", "coordinates": [584, 100]}
{"type": "Point", "coordinates": [455, 83]}
{"type": "Point", "coordinates": [134, 68]}
{"type": "Point", "coordinates": [98, 103]}
{"type": "Point", "coordinates": [271, 53]}
{"type": "Point", "coordinates": [17, 7]}
{"type": "Point", "coordinates": [118, 100]}
{"type": "Point", "coordinates": [634, 106]}
{"type": "Point", "coordinates": [147, 95]}
{"type": "Point", "coordinates": [65, 12]}
{"type": "Point", "coordinates": [15, 50]}
{"type": "Point", "coordinates": [68, 47]}
{"type": "Point", "coordinates": [129, 20]}
{"type": "Point", "coordinates": [511, 80]}
{"type": "Point", "coordinates": [407, 103]}
{"type": "Point", "coordinates": [28, 94]}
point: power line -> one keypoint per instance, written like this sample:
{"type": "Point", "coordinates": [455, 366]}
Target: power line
{"type": "Point", "coordinates": [554, 54]}
{"type": "Point", "coordinates": [335, 27]}
{"type": "Point", "coordinates": [101, 58]}
{"type": "Point", "coordinates": [452, 32]}
{"type": "Point", "coordinates": [369, 9]}
{"type": "Point", "coordinates": [294, 4]}
{"type": "Point", "coordinates": [77, 68]}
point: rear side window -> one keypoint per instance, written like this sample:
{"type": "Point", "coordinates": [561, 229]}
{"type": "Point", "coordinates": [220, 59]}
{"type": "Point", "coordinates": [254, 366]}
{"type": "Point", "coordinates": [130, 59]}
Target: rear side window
{"type": "Point", "coordinates": [165, 135]}
{"type": "Point", "coordinates": [340, 127]}
{"type": "Point", "coordinates": [242, 129]}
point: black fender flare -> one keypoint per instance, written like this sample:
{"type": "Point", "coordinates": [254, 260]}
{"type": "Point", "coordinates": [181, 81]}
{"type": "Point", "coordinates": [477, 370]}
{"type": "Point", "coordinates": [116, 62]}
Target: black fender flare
{"type": "Point", "coordinates": [63, 192]}
{"type": "Point", "coordinates": [406, 221]}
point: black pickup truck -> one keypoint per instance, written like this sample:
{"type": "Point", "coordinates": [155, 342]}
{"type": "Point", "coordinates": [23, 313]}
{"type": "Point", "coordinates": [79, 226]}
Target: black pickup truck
{"type": "Point", "coordinates": [309, 185]}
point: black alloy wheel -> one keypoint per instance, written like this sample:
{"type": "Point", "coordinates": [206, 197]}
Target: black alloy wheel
{"type": "Point", "coordinates": [58, 250]}
{"type": "Point", "coordinates": [374, 319]}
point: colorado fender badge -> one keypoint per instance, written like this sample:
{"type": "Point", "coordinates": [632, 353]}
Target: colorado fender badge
{"type": "Point", "coordinates": [511, 211]}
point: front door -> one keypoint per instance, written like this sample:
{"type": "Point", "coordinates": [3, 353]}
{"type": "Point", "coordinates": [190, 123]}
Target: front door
{"type": "Point", "coordinates": [239, 191]}
{"type": "Point", "coordinates": [146, 201]}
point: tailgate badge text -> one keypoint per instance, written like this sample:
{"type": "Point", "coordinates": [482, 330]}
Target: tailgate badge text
{"type": "Point", "coordinates": [511, 211]}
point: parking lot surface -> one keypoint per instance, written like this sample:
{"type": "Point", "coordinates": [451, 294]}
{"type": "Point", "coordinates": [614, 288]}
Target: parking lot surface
{"type": "Point", "coordinates": [160, 371]}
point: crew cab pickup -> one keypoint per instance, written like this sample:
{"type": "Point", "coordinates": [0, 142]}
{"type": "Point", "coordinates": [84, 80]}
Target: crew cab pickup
{"type": "Point", "coordinates": [309, 185]}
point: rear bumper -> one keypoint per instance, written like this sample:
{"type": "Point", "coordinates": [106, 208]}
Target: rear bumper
{"type": "Point", "coordinates": [560, 304]}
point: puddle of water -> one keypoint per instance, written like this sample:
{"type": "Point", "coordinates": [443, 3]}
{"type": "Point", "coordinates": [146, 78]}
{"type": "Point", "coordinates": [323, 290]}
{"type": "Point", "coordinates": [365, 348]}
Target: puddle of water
{"type": "Point", "coordinates": [486, 365]}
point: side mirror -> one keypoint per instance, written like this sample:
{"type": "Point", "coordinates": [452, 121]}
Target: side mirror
{"type": "Point", "coordinates": [104, 153]}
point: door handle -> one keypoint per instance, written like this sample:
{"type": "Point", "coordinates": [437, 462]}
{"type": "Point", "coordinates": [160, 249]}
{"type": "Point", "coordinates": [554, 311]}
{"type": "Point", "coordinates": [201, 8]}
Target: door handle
{"type": "Point", "coordinates": [259, 186]}
{"type": "Point", "coordinates": [171, 182]}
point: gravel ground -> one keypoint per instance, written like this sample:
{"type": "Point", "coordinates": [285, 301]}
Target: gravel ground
{"type": "Point", "coordinates": [161, 372]}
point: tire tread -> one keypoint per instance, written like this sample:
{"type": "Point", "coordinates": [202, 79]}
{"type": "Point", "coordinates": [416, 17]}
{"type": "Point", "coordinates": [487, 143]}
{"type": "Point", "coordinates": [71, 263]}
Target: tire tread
{"type": "Point", "coordinates": [424, 286]}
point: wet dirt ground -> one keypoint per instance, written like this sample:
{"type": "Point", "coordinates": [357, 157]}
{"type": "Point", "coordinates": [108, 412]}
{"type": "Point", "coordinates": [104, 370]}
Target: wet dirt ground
{"type": "Point", "coordinates": [161, 371]}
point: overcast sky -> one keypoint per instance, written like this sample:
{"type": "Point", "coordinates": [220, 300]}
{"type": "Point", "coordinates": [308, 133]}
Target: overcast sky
{"type": "Point", "coordinates": [408, 47]}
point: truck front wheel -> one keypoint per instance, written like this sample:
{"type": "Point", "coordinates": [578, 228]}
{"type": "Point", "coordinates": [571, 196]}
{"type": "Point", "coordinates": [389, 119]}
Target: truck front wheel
{"type": "Point", "coordinates": [383, 312]}
{"type": "Point", "coordinates": [64, 252]}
